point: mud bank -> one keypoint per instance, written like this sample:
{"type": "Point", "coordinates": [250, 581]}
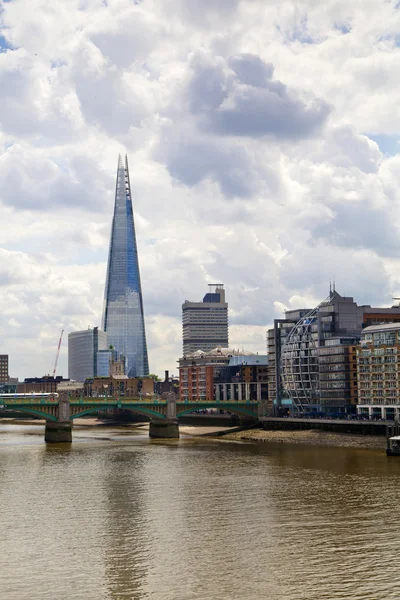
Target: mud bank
{"type": "Point", "coordinates": [311, 437]}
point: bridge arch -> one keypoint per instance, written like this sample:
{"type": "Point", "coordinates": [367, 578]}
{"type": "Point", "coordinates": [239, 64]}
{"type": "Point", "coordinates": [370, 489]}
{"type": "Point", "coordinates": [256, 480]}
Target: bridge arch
{"type": "Point", "coordinates": [146, 412]}
{"type": "Point", "coordinates": [30, 412]}
{"type": "Point", "coordinates": [241, 411]}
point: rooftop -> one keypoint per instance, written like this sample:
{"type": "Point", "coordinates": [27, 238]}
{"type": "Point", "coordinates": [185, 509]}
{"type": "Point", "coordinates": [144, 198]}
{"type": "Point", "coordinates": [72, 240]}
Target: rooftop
{"type": "Point", "coordinates": [226, 352]}
{"type": "Point", "coordinates": [382, 327]}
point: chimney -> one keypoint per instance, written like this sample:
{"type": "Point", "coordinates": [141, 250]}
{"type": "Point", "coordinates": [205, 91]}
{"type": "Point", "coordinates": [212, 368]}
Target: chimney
{"type": "Point", "coordinates": [166, 376]}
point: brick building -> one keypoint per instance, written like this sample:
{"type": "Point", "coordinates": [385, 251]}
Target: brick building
{"type": "Point", "coordinates": [46, 384]}
{"type": "Point", "coordinates": [118, 385]}
{"type": "Point", "coordinates": [201, 375]}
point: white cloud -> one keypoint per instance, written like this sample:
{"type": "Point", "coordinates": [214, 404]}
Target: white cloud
{"type": "Point", "coordinates": [246, 124]}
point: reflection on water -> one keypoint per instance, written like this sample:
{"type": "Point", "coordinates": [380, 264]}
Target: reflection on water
{"type": "Point", "coordinates": [116, 516]}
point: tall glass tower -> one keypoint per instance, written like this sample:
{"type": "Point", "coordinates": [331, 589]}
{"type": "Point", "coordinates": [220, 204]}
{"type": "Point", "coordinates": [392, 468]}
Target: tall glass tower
{"type": "Point", "coordinates": [123, 318]}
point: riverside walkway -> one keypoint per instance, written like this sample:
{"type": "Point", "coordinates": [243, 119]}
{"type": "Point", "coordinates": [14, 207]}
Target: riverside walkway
{"type": "Point", "coordinates": [59, 410]}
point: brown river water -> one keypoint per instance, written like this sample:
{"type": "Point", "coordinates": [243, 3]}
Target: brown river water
{"type": "Point", "coordinates": [117, 516]}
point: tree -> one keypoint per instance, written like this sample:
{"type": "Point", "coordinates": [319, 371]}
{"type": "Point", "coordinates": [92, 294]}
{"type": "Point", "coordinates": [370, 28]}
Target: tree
{"type": "Point", "coordinates": [152, 376]}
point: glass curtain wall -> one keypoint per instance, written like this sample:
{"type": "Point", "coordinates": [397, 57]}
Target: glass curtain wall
{"type": "Point", "coordinates": [123, 317]}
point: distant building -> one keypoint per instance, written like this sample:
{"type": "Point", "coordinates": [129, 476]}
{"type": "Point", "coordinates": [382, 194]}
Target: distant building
{"type": "Point", "coordinates": [110, 362]}
{"type": "Point", "coordinates": [378, 372]}
{"type": "Point", "coordinates": [83, 348]}
{"type": "Point", "coordinates": [205, 324]}
{"type": "Point", "coordinates": [313, 357]}
{"type": "Point", "coordinates": [119, 386]}
{"type": "Point", "coordinates": [123, 316]}
{"type": "Point", "coordinates": [244, 378]}
{"type": "Point", "coordinates": [8, 388]}
{"type": "Point", "coordinates": [204, 376]}
{"type": "Point", "coordinates": [4, 377]}
{"type": "Point", "coordinates": [170, 384]}
{"type": "Point", "coordinates": [276, 338]}
{"type": "Point", "coordinates": [47, 384]}
{"type": "Point", "coordinates": [75, 389]}
{"type": "Point", "coordinates": [338, 374]}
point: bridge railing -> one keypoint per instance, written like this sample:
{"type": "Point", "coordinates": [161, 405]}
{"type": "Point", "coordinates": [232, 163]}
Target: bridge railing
{"type": "Point", "coordinates": [4, 400]}
{"type": "Point", "coordinates": [117, 399]}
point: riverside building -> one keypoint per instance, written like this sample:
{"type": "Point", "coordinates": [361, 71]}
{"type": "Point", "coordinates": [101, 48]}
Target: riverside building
{"type": "Point", "coordinates": [317, 355]}
{"type": "Point", "coordinates": [276, 338]}
{"type": "Point", "coordinates": [205, 324]}
{"type": "Point", "coordinates": [222, 374]}
{"type": "Point", "coordinates": [123, 316]}
{"type": "Point", "coordinates": [378, 372]}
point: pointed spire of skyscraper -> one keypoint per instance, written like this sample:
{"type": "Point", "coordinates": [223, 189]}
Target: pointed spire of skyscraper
{"type": "Point", "coordinates": [123, 317]}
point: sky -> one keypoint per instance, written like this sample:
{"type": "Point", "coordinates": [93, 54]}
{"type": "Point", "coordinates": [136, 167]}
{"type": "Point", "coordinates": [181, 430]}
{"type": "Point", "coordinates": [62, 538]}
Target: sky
{"type": "Point", "coordinates": [263, 144]}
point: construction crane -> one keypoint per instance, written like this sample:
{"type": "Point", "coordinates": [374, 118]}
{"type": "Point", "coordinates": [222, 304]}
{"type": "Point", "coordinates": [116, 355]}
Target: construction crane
{"type": "Point", "coordinates": [58, 354]}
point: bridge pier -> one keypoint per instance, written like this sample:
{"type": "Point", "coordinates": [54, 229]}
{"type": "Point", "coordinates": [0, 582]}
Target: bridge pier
{"type": "Point", "coordinates": [164, 429]}
{"type": "Point", "coordinates": [57, 432]}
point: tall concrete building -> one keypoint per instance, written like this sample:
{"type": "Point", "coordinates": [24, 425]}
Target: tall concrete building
{"type": "Point", "coordinates": [123, 317]}
{"type": "Point", "coordinates": [83, 348]}
{"type": "Point", "coordinates": [4, 376]}
{"type": "Point", "coordinates": [205, 324]}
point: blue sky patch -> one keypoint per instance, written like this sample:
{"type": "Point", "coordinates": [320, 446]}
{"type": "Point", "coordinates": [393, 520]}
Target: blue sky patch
{"type": "Point", "coordinates": [343, 27]}
{"type": "Point", "coordinates": [388, 144]}
{"type": "Point", "coordinates": [4, 45]}
{"type": "Point", "coordinates": [299, 33]}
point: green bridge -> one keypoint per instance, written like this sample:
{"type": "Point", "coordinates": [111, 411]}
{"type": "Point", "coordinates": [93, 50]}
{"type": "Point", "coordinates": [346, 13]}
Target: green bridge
{"type": "Point", "coordinates": [59, 410]}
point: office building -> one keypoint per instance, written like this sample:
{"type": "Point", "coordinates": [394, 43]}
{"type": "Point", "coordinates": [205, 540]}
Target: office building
{"type": "Point", "coordinates": [205, 324]}
{"type": "Point", "coordinates": [316, 356]}
{"type": "Point", "coordinates": [123, 317]}
{"type": "Point", "coordinates": [4, 376]}
{"type": "Point", "coordinates": [338, 375]}
{"type": "Point", "coordinates": [276, 338]}
{"type": "Point", "coordinates": [378, 372]}
{"type": "Point", "coordinates": [83, 348]}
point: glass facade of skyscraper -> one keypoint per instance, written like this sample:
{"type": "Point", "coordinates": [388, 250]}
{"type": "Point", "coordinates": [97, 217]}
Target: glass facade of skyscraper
{"type": "Point", "coordinates": [83, 347]}
{"type": "Point", "coordinates": [123, 317]}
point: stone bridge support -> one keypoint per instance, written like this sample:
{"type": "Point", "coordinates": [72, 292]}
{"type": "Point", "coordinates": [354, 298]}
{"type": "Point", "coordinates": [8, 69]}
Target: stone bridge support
{"type": "Point", "coordinates": [168, 427]}
{"type": "Point", "coordinates": [60, 431]}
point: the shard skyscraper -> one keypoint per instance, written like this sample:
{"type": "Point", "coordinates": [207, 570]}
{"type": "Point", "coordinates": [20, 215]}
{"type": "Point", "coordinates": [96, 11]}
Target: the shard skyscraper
{"type": "Point", "coordinates": [123, 318]}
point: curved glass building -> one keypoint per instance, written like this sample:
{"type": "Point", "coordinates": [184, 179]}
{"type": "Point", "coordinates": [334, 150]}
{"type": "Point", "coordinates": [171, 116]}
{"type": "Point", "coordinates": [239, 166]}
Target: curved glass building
{"type": "Point", "coordinates": [299, 362]}
{"type": "Point", "coordinates": [123, 317]}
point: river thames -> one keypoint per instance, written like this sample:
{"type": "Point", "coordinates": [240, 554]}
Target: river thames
{"type": "Point", "coordinates": [115, 515]}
